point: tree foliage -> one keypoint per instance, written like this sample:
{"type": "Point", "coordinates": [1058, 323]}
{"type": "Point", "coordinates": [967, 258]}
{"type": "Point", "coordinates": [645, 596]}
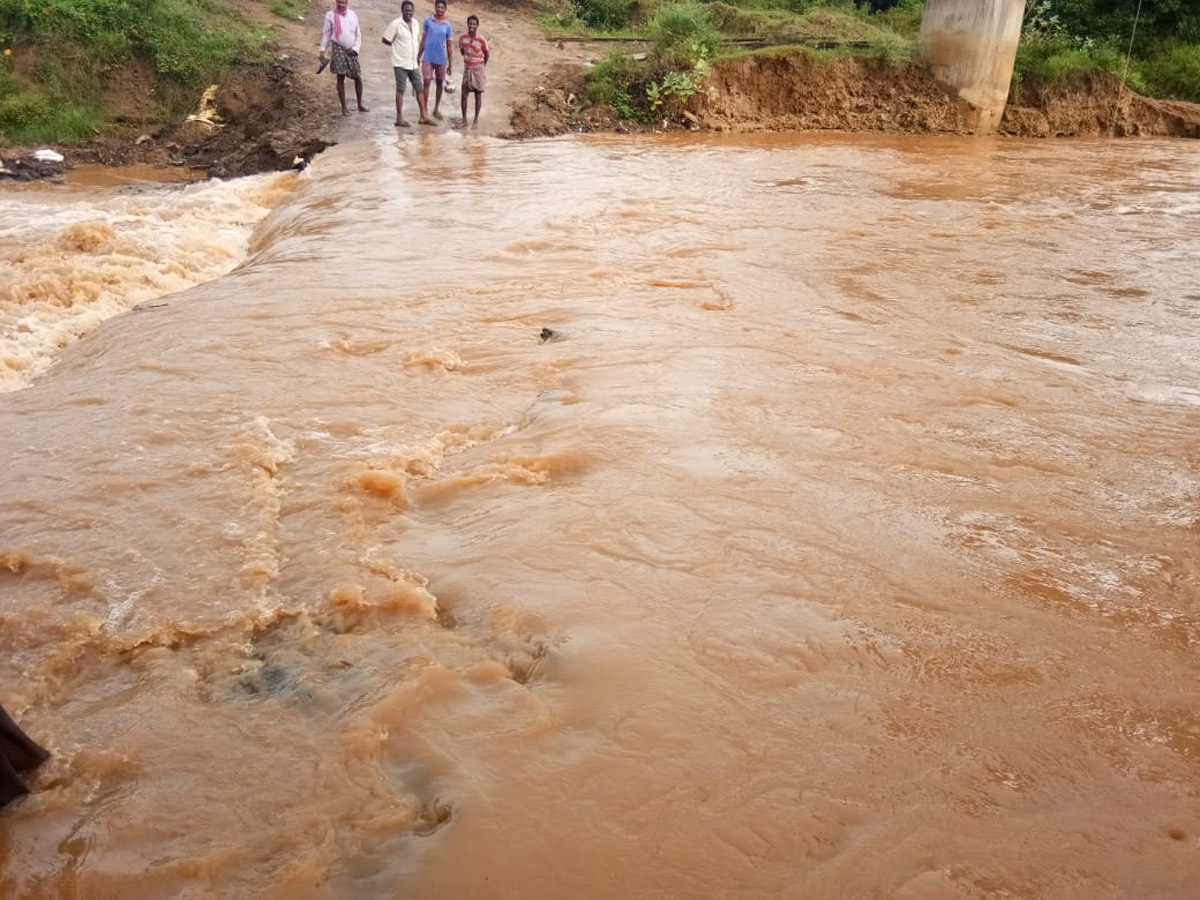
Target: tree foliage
{"type": "Point", "coordinates": [1062, 36]}
{"type": "Point", "coordinates": [1112, 20]}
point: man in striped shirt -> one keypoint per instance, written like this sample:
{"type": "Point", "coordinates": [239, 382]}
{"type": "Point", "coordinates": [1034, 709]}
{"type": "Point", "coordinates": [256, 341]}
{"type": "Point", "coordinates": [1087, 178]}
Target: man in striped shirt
{"type": "Point", "coordinates": [475, 54]}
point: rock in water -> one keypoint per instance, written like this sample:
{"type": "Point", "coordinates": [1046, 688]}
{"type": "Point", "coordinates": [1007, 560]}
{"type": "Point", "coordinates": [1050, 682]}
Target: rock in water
{"type": "Point", "coordinates": [30, 168]}
{"type": "Point", "coordinates": [17, 754]}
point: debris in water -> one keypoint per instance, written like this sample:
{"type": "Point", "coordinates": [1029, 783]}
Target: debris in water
{"type": "Point", "coordinates": [17, 754]}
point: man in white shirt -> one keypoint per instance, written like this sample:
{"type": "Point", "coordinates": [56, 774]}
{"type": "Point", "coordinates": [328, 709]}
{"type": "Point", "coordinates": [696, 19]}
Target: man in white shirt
{"type": "Point", "coordinates": [342, 36]}
{"type": "Point", "coordinates": [403, 35]}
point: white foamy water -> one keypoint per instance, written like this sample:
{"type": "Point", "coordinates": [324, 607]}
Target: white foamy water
{"type": "Point", "coordinates": [70, 260]}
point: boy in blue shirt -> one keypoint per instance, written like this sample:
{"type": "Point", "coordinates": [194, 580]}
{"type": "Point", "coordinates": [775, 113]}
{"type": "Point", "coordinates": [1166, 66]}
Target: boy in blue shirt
{"type": "Point", "coordinates": [434, 54]}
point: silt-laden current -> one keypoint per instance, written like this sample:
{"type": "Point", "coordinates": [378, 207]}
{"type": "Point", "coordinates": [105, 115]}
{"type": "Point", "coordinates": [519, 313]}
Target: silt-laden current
{"type": "Point", "coordinates": [841, 541]}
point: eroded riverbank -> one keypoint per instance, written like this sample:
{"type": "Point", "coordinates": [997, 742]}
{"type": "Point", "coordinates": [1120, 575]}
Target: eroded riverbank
{"type": "Point", "coordinates": [793, 90]}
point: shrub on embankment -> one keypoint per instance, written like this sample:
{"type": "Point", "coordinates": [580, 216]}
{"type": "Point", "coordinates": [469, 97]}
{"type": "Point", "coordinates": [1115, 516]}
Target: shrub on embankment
{"type": "Point", "coordinates": [1160, 57]}
{"type": "Point", "coordinates": [66, 62]}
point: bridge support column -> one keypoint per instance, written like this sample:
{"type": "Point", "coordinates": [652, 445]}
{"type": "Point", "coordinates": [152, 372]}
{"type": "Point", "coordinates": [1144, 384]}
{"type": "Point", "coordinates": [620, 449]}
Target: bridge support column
{"type": "Point", "coordinates": [971, 46]}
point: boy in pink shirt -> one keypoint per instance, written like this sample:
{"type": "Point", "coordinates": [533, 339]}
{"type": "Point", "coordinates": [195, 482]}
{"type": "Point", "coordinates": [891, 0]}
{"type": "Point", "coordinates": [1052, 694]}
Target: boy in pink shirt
{"type": "Point", "coordinates": [475, 54]}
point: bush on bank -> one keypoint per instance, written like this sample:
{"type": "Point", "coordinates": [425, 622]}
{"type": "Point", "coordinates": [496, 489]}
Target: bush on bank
{"type": "Point", "coordinates": [1062, 37]}
{"type": "Point", "coordinates": [684, 40]}
{"type": "Point", "coordinates": [59, 54]}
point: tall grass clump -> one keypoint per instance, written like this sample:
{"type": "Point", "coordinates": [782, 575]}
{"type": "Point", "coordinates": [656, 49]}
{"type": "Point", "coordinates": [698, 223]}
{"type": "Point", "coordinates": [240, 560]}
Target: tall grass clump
{"type": "Point", "coordinates": [32, 117]}
{"type": "Point", "coordinates": [287, 9]}
{"type": "Point", "coordinates": [684, 40]}
{"type": "Point", "coordinates": [605, 15]}
{"type": "Point", "coordinates": [683, 33]}
{"type": "Point", "coordinates": [620, 82]}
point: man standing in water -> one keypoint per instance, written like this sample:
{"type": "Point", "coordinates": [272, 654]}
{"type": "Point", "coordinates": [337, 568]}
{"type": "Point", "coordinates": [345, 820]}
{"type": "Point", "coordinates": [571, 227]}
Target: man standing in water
{"type": "Point", "coordinates": [342, 34]}
{"type": "Point", "coordinates": [403, 37]}
{"type": "Point", "coordinates": [475, 55]}
{"type": "Point", "coordinates": [436, 34]}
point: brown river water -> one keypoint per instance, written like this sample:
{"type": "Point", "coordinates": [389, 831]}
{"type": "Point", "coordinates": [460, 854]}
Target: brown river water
{"type": "Point", "coordinates": [840, 542]}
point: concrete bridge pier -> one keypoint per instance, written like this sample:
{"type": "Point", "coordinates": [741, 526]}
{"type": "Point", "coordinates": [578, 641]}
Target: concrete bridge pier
{"type": "Point", "coordinates": [971, 46]}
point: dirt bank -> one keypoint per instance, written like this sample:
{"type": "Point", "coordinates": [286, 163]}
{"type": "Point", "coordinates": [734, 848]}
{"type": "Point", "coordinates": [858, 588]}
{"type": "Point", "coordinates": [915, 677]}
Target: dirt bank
{"type": "Point", "coordinates": [265, 116]}
{"type": "Point", "coordinates": [1090, 104]}
{"type": "Point", "coordinates": [271, 116]}
{"type": "Point", "coordinates": [260, 118]}
{"type": "Point", "coordinates": [796, 91]}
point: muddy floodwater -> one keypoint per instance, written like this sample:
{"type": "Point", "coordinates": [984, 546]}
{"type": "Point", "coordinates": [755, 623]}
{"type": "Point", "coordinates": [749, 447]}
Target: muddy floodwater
{"type": "Point", "coordinates": [839, 539]}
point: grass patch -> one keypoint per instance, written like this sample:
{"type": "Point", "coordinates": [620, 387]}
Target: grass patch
{"type": "Point", "coordinates": [687, 35]}
{"type": "Point", "coordinates": [781, 26]}
{"type": "Point", "coordinates": [776, 21]}
{"type": "Point", "coordinates": [1050, 61]}
{"type": "Point", "coordinates": [684, 31]}
{"type": "Point", "coordinates": [287, 9]}
{"type": "Point", "coordinates": [77, 43]}
{"type": "Point", "coordinates": [566, 21]}
{"type": "Point", "coordinates": [784, 24]}
{"type": "Point", "coordinates": [30, 117]}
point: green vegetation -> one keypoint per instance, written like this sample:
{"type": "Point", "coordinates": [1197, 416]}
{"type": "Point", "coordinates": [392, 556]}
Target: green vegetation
{"type": "Point", "coordinates": [287, 9]}
{"type": "Point", "coordinates": [1174, 71]}
{"type": "Point", "coordinates": [62, 52]}
{"type": "Point", "coordinates": [621, 82]}
{"type": "Point", "coordinates": [1062, 37]}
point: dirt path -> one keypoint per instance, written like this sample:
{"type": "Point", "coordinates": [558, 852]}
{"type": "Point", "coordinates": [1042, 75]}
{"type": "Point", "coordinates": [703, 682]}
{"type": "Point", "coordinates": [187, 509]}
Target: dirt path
{"type": "Point", "coordinates": [271, 114]}
{"type": "Point", "coordinates": [519, 54]}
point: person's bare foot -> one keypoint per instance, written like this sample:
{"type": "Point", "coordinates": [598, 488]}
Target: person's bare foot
{"type": "Point", "coordinates": [362, 108]}
{"type": "Point", "coordinates": [437, 115]}
{"type": "Point", "coordinates": [427, 121]}
{"type": "Point", "coordinates": [400, 123]}
{"type": "Point", "coordinates": [345, 112]}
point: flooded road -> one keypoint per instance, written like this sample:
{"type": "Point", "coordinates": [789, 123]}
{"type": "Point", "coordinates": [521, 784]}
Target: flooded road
{"type": "Point", "coordinates": [839, 541]}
